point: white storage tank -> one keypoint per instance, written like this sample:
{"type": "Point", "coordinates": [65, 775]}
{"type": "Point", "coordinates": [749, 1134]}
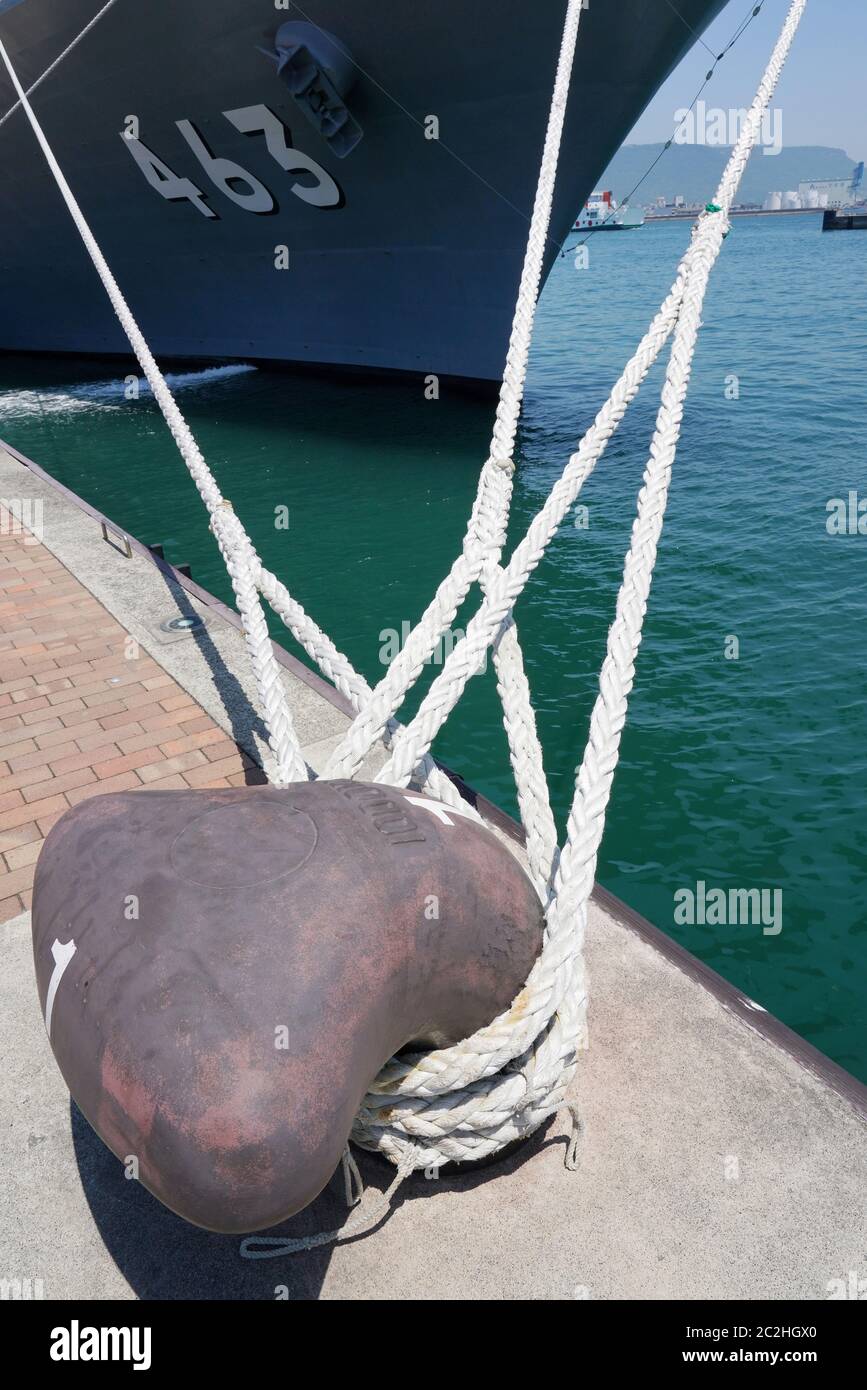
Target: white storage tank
{"type": "Point", "coordinates": [791, 199]}
{"type": "Point", "coordinates": [812, 198]}
{"type": "Point", "coordinates": [773, 202]}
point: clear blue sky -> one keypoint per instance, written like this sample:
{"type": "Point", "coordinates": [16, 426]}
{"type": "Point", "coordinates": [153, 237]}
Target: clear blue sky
{"type": "Point", "coordinates": [823, 91]}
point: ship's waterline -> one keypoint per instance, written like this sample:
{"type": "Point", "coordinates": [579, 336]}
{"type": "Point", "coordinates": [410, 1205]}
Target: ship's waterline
{"type": "Point", "coordinates": [390, 236]}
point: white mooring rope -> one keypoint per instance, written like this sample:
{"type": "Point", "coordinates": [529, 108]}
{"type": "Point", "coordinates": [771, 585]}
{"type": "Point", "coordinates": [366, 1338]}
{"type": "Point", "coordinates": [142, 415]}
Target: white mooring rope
{"type": "Point", "coordinates": [486, 534]}
{"type": "Point", "coordinates": [470, 1100]}
{"type": "Point", "coordinates": [82, 34]}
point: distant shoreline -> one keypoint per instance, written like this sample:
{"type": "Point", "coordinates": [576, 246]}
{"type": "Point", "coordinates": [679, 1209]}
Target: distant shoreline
{"type": "Point", "coordinates": [734, 212]}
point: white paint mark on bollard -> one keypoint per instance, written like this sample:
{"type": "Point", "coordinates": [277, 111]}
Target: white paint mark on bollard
{"type": "Point", "coordinates": [437, 809]}
{"type": "Point", "coordinates": [62, 954]}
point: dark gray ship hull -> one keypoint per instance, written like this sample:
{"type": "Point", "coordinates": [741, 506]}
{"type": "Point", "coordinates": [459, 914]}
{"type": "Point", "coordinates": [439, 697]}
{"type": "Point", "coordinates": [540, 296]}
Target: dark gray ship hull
{"type": "Point", "coordinates": [402, 253]}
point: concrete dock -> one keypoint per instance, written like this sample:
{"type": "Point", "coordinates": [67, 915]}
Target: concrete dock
{"type": "Point", "coordinates": [722, 1156]}
{"type": "Point", "coordinates": [843, 220]}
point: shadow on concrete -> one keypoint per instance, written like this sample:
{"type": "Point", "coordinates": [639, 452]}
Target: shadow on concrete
{"type": "Point", "coordinates": [163, 1257]}
{"type": "Point", "coordinates": [244, 720]}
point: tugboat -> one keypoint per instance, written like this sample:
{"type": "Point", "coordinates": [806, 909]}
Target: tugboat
{"type": "Point", "coordinates": [602, 213]}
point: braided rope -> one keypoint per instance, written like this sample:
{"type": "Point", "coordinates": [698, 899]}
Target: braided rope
{"type": "Point", "coordinates": [340, 671]}
{"type": "Point", "coordinates": [455, 1088]}
{"type": "Point", "coordinates": [468, 1101]}
{"type": "Point", "coordinates": [525, 750]}
{"type": "Point", "coordinates": [245, 570]}
{"type": "Point", "coordinates": [82, 34]}
{"type": "Point", "coordinates": [235, 546]}
{"type": "Point", "coordinates": [486, 534]}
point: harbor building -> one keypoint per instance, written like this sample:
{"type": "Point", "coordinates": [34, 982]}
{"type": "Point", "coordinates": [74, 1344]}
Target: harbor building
{"type": "Point", "coordinates": [833, 193]}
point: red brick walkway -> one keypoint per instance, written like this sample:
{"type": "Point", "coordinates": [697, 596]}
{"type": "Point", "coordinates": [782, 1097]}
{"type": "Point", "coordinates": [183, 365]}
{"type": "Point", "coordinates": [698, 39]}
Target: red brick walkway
{"type": "Point", "coordinates": [79, 716]}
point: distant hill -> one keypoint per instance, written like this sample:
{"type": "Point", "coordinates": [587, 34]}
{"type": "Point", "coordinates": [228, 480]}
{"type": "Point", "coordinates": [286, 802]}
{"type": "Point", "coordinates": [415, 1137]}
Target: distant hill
{"type": "Point", "coordinates": [694, 171]}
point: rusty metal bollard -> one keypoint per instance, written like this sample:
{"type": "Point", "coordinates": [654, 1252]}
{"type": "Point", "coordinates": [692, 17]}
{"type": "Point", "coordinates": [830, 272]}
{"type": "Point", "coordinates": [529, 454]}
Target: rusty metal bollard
{"type": "Point", "coordinates": [223, 973]}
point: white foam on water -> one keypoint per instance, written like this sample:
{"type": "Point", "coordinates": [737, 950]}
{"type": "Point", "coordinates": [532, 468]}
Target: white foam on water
{"type": "Point", "coordinates": [182, 380]}
{"type": "Point", "coordinates": [30, 405]}
{"type": "Point", "coordinates": [104, 395]}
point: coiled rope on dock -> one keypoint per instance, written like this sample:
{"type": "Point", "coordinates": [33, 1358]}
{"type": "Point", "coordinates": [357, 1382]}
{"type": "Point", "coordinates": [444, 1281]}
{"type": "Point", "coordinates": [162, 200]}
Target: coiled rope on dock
{"type": "Point", "coordinates": [467, 1101]}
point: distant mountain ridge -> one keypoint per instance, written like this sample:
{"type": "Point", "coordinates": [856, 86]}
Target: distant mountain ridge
{"type": "Point", "coordinates": [694, 171]}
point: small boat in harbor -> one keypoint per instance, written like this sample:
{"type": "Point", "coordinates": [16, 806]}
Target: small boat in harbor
{"type": "Point", "coordinates": [602, 213]}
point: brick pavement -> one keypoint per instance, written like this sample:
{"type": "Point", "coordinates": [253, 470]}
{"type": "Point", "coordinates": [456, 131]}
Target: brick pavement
{"type": "Point", "coordinates": [82, 711]}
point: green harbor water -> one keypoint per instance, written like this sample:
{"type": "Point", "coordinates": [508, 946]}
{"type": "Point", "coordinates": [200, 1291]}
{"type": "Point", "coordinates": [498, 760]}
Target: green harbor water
{"type": "Point", "coordinates": [744, 760]}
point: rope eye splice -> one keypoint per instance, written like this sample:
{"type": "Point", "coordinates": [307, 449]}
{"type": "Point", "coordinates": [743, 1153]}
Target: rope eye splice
{"type": "Point", "coordinates": [463, 1095]}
